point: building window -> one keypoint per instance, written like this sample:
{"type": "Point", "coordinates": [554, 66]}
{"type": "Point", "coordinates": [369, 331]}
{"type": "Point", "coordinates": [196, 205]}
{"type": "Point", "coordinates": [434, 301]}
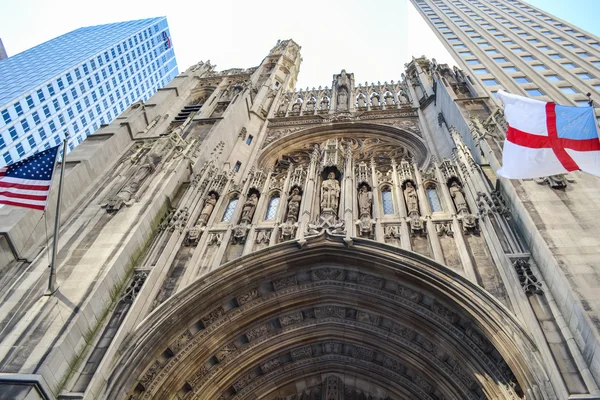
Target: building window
{"type": "Point", "coordinates": [434, 200]}
{"type": "Point", "coordinates": [500, 59]}
{"type": "Point", "coordinates": [584, 55]}
{"type": "Point", "coordinates": [568, 90]}
{"type": "Point", "coordinates": [25, 125]}
{"type": "Point", "coordinates": [387, 201]}
{"type": "Point", "coordinates": [555, 56]}
{"type": "Point", "coordinates": [40, 95]}
{"type": "Point", "coordinates": [582, 103]}
{"type": "Point", "coordinates": [18, 109]}
{"type": "Point", "coordinates": [553, 78]}
{"type": "Point", "coordinates": [272, 207]}
{"type": "Point", "coordinates": [522, 79]}
{"type": "Point", "coordinates": [229, 210]}
{"type": "Point", "coordinates": [20, 150]}
{"type": "Point", "coordinates": [237, 166]}
{"type": "Point", "coordinates": [31, 141]}
{"type": "Point", "coordinates": [7, 158]}
{"type": "Point", "coordinates": [584, 76]}
{"type": "Point", "coordinates": [481, 71]}
{"type": "Point", "coordinates": [569, 65]}
{"type": "Point", "coordinates": [510, 69]}
{"type": "Point", "coordinates": [528, 58]}
{"type": "Point", "coordinates": [540, 67]}
{"type": "Point", "coordinates": [6, 116]}
{"type": "Point", "coordinates": [534, 92]}
{"type": "Point", "coordinates": [249, 139]}
{"type": "Point", "coordinates": [42, 133]}
{"type": "Point", "coordinates": [30, 102]}
{"type": "Point", "coordinates": [50, 89]}
{"type": "Point", "coordinates": [489, 82]}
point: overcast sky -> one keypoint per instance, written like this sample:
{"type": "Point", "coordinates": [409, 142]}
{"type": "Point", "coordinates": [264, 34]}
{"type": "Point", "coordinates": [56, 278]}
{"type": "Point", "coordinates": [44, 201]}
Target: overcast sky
{"type": "Point", "coordinates": [373, 39]}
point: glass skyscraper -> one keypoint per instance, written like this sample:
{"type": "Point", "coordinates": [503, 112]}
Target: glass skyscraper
{"type": "Point", "coordinates": [79, 81]}
{"type": "Point", "coordinates": [512, 45]}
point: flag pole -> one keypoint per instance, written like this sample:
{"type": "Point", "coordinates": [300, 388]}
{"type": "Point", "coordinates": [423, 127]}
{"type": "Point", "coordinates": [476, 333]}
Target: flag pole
{"type": "Point", "coordinates": [52, 286]}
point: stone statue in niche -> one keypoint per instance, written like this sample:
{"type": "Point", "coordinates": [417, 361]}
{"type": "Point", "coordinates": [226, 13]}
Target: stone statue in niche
{"type": "Point", "coordinates": [193, 236]}
{"type": "Point", "coordinates": [325, 103]}
{"type": "Point", "coordinates": [296, 107]}
{"type": "Point", "coordinates": [389, 99]}
{"type": "Point", "coordinates": [294, 205]}
{"type": "Point", "coordinates": [249, 208]}
{"type": "Point", "coordinates": [412, 200]}
{"type": "Point", "coordinates": [342, 99]}
{"type": "Point", "coordinates": [459, 198]}
{"type": "Point", "coordinates": [330, 194]}
{"type": "Point", "coordinates": [361, 101]}
{"type": "Point", "coordinates": [125, 196]}
{"type": "Point", "coordinates": [283, 107]}
{"type": "Point", "coordinates": [365, 202]}
{"type": "Point", "coordinates": [403, 97]}
{"type": "Point", "coordinates": [375, 100]}
{"type": "Point", "coordinates": [310, 105]}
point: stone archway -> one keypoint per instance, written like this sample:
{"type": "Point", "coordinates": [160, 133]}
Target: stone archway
{"type": "Point", "coordinates": [284, 321]}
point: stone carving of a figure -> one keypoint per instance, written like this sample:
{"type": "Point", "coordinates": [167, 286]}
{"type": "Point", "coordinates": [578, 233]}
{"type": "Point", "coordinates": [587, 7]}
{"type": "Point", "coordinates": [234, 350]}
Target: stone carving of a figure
{"type": "Point", "coordinates": [410, 194]}
{"type": "Point", "coordinates": [389, 99]}
{"type": "Point", "coordinates": [365, 200]}
{"type": "Point", "coordinates": [375, 100]}
{"type": "Point", "coordinates": [296, 106]}
{"type": "Point", "coordinates": [209, 206]}
{"type": "Point", "coordinates": [458, 197]}
{"type": "Point", "coordinates": [325, 103]}
{"type": "Point", "coordinates": [283, 107]}
{"type": "Point", "coordinates": [361, 101]}
{"type": "Point", "coordinates": [249, 208]}
{"type": "Point", "coordinates": [294, 204]}
{"type": "Point", "coordinates": [342, 99]}
{"type": "Point", "coordinates": [330, 193]}
{"type": "Point", "coordinates": [310, 105]}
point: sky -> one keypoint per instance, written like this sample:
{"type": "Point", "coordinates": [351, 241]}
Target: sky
{"type": "Point", "coordinates": [373, 39]}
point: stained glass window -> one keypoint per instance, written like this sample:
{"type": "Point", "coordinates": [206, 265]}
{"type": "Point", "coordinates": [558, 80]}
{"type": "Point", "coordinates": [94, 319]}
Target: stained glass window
{"type": "Point", "coordinates": [434, 200]}
{"type": "Point", "coordinates": [229, 211]}
{"type": "Point", "coordinates": [272, 208]}
{"type": "Point", "coordinates": [388, 204]}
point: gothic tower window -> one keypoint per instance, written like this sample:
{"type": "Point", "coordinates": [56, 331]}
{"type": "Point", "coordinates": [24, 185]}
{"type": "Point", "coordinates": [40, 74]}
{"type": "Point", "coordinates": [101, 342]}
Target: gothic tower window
{"type": "Point", "coordinates": [272, 207]}
{"type": "Point", "coordinates": [229, 210]}
{"type": "Point", "coordinates": [387, 201]}
{"type": "Point", "coordinates": [434, 199]}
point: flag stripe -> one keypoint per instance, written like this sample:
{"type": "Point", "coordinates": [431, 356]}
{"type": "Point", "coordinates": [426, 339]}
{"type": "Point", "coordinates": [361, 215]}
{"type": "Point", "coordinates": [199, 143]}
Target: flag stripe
{"type": "Point", "coordinates": [537, 142]}
{"type": "Point", "coordinates": [23, 204]}
{"type": "Point", "coordinates": [24, 187]}
{"type": "Point", "coordinates": [565, 159]}
{"type": "Point", "coordinates": [23, 196]}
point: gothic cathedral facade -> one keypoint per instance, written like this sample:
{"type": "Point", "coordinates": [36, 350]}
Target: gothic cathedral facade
{"type": "Point", "coordinates": [237, 238]}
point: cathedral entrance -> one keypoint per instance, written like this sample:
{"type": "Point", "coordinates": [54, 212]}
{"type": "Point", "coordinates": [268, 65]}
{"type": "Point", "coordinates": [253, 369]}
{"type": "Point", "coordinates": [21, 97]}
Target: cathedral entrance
{"type": "Point", "coordinates": [334, 318]}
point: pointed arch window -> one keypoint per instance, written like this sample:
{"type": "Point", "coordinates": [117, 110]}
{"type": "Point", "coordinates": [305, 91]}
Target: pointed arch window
{"type": "Point", "coordinates": [272, 207]}
{"type": "Point", "coordinates": [229, 210]}
{"type": "Point", "coordinates": [387, 201]}
{"type": "Point", "coordinates": [434, 199]}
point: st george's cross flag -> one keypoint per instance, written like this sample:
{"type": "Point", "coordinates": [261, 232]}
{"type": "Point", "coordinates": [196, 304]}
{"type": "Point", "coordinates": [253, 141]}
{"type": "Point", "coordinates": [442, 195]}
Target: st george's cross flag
{"type": "Point", "coordinates": [545, 139]}
{"type": "Point", "coordinates": [26, 183]}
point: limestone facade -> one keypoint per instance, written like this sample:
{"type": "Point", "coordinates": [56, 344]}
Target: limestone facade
{"type": "Point", "coordinates": [238, 238]}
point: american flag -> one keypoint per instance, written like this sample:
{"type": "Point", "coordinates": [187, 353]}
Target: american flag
{"type": "Point", "coordinates": [26, 183]}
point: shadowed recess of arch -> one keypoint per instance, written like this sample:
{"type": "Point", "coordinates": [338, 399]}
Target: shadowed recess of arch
{"type": "Point", "coordinates": [391, 313]}
{"type": "Point", "coordinates": [388, 136]}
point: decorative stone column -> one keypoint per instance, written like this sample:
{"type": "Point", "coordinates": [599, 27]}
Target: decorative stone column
{"type": "Point", "coordinates": [436, 247]}
{"type": "Point", "coordinates": [379, 234]}
{"type": "Point", "coordinates": [401, 208]}
{"type": "Point", "coordinates": [307, 198]}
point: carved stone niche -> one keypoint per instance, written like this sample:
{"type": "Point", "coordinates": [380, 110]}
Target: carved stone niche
{"type": "Point", "coordinates": [240, 231]}
{"type": "Point", "coordinates": [365, 222]}
{"type": "Point", "coordinates": [193, 235]}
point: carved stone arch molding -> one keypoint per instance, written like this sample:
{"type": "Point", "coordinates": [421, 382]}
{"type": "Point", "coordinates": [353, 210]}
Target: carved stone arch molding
{"type": "Point", "coordinates": [274, 323]}
{"type": "Point", "coordinates": [284, 141]}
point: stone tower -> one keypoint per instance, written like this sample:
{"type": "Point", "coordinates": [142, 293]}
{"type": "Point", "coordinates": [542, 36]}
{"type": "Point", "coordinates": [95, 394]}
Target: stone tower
{"type": "Point", "coordinates": [237, 238]}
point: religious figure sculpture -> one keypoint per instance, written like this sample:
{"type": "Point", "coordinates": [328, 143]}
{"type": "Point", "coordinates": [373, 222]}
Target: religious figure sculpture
{"type": "Point", "coordinates": [294, 205]}
{"type": "Point", "coordinates": [325, 103]}
{"type": "Point", "coordinates": [342, 99]}
{"type": "Point", "coordinates": [310, 105]}
{"type": "Point", "coordinates": [361, 101]}
{"type": "Point", "coordinates": [389, 99]}
{"type": "Point", "coordinates": [296, 106]}
{"type": "Point", "coordinates": [330, 194]}
{"type": "Point", "coordinates": [365, 202]}
{"type": "Point", "coordinates": [459, 198]}
{"type": "Point", "coordinates": [412, 201]}
{"type": "Point", "coordinates": [283, 107]}
{"type": "Point", "coordinates": [209, 206]}
{"type": "Point", "coordinates": [375, 100]}
{"type": "Point", "coordinates": [249, 208]}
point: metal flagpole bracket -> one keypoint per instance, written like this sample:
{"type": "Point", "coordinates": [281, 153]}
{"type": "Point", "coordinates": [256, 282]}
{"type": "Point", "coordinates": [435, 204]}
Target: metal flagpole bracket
{"type": "Point", "coordinates": [52, 284]}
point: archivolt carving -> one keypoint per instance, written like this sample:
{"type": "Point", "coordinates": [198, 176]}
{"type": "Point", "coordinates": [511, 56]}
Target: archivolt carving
{"type": "Point", "coordinates": [306, 302]}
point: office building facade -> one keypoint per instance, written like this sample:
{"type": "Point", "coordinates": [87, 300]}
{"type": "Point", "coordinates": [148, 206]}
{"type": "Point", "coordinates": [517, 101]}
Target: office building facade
{"type": "Point", "coordinates": [80, 81]}
{"type": "Point", "coordinates": [512, 45]}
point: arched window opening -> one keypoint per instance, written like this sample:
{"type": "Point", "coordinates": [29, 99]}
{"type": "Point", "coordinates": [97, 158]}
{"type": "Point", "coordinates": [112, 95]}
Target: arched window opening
{"type": "Point", "coordinates": [272, 207]}
{"type": "Point", "coordinates": [434, 199]}
{"type": "Point", "coordinates": [229, 210]}
{"type": "Point", "coordinates": [387, 201]}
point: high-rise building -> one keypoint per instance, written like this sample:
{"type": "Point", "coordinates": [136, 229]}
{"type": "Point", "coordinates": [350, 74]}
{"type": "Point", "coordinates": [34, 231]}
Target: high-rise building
{"type": "Point", "coordinates": [80, 81]}
{"type": "Point", "coordinates": [512, 45]}
{"type": "Point", "coordinates": [236, 238]}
